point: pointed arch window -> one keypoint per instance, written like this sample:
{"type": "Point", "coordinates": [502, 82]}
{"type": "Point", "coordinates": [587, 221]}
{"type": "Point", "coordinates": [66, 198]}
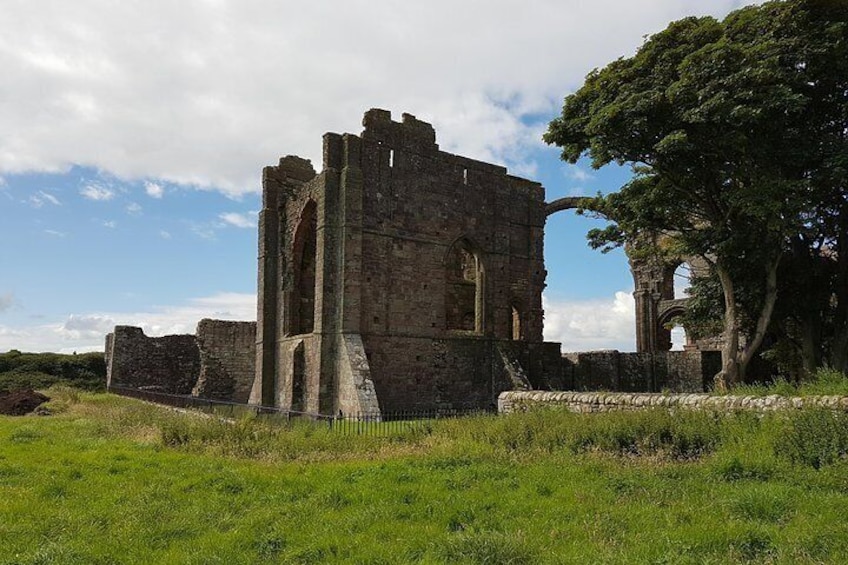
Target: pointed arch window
{"type": "Point", "coordinates": [464, 289]}
{"type": "Point", "coordinates": [304, 257]}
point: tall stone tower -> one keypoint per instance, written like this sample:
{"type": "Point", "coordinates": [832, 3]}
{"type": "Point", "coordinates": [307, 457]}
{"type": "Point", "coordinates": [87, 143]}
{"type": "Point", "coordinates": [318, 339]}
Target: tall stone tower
{"type": "Point", "coordinates": [400, 277]}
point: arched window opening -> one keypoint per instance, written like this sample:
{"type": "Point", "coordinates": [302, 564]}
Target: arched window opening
{"type": "Point", "coordinates": [682, 280]}
{"type": "Point", "coordinates": [463, 300]}
{"type": "Point", "coordinates": [679, 340]}
{"type": "Point", "coordinates": [305, 248]}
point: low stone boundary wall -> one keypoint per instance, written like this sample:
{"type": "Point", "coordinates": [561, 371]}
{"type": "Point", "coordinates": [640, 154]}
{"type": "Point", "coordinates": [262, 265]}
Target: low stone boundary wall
{"type": "Point", "coordinates": [516, 401]}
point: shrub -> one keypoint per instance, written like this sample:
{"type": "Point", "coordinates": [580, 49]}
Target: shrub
{"type": "Point", "coordinates": [42, 370]}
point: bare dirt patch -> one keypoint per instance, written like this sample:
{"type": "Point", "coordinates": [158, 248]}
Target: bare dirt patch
{"type": "Point", "coordinates": [20, 402]}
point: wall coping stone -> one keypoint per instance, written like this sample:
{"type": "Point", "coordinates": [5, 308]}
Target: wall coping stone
{"type": "Point", "coordinates": [516, 401]}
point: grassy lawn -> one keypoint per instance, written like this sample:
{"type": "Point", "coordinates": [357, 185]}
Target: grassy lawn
{"type": "Point", "coordinates": [114, 480]}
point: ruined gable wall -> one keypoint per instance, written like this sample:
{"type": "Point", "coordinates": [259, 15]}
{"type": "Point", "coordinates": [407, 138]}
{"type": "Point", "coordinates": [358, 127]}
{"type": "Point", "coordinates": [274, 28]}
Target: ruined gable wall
{"type": "Point", "coordinates": [169, 364]}
{"type": "Point", "coordinates": [416, 203]}
{"type": "Point", "coordinates": [389, 207]}
{"type": "Point", "coordinates": [228, 360]}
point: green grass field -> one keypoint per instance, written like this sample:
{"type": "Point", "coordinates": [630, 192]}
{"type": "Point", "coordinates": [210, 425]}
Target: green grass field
{"type": "Point", "coordinates": [113, 480]}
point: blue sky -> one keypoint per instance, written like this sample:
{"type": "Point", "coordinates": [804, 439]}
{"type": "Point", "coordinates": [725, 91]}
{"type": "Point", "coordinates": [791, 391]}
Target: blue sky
{"type": "Point", "coordinates": [132, 137]}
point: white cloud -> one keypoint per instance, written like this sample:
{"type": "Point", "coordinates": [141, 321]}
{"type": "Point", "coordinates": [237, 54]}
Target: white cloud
{"type": "Point", "coordinates": [111, 224]}
{"type": "Point", "coordinates": [87, 331]}
{"type": "Point", "coordinates": [7, 300]}
{"type": "Point", "coordinates": [133, 208]}
{"type": "Point", "coordinates": [577, 173]}
{"type": "Point", "coordinates": [97, 192]}
{"type": "Point", "coordinates": [592, 324]}
{"type": "Point", "coordinates": [56, 233]}
{"type": "Point", "coordinates": [203, 95]}
{"type": "Point", "coordinates": [239, 220]}
{"type": "Point", "coordinates": [38, 199]}
{"type": "Point", "coordinates": [164, 234]}
{"type": "Point", "coordinates": [153, 190]}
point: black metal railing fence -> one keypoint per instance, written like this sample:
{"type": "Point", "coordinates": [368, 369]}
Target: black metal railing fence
{"type": "Point", "coordinates": [359, 423]}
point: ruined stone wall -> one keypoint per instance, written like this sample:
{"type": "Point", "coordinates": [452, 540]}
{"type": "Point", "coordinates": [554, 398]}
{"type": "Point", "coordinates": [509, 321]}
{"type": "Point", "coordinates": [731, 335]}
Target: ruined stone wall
{"type": "Point", "coordinates": [589, 402]}
{"type": "Point", "coordinates": [169, 364]}
{"type": "Point", "coordinates": [418, 204]}
{"type": "Point", "coordinates": [227, 360]}
{"type": "Point", "coordinates": [409, 264]}
{"type": "Point", "coordinates": [676, 371]}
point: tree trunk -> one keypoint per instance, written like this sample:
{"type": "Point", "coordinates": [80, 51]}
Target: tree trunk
{"type": "Point", "coordinates": [764, 319]}
{"type": "Point", "coordinates": [729, 374]}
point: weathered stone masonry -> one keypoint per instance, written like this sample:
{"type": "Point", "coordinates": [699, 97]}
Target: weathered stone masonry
{"type": "Point", "coordinates": [589, 402]}
{"type": "Point", "coordinates": [400, 273]}
{"type": "Point", "coordinates": [400, 277]}
{"type": "Point", "coordinates": [218, 362]}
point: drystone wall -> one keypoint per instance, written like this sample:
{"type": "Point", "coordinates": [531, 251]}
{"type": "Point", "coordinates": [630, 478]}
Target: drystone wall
{"type": "Point", "coordinates": [588, 402]}
{"type": "Point", "coordinates": [227, 360]}
{"type": "Point", "coordinates": [675, 371]}
{"type": "Point", "coordinates": [168, 364]}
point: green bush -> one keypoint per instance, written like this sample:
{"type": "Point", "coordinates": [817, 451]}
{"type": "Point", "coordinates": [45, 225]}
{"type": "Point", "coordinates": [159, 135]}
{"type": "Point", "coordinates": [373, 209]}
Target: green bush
{"type": "Point", "coordinates": [42, 370]}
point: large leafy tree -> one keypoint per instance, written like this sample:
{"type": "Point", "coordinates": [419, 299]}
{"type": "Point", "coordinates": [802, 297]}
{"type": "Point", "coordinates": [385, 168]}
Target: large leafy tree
{"type": "Point", "coordinates": [723, 122]}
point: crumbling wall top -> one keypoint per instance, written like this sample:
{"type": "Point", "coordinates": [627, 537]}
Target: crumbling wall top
{"type": "Point", "coordinates": [411, 133]}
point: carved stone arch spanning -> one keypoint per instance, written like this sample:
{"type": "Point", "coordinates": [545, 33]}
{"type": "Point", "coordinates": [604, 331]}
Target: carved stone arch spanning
{"type": "Point", "coordinates": [669, 310]}
{"type": "Point", "coordinates": [565, 203]}
{"type": "Point", "coordinates": [465, 283]}
{"type": "Point", "coordinates": [304, 260]}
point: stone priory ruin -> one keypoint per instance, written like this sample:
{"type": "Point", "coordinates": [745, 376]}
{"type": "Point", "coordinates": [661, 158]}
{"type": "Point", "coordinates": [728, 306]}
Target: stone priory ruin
{"type": "Point", "coordinates": [400, 277]}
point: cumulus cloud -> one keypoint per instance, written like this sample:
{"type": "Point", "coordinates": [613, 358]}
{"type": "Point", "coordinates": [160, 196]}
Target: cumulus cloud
{"type": "Point", "coordinates": [97, 192]}
{"type": "Point", "coordinates": [86, 326]}
{"type": "Point", "coordinates": [207, 93]}
{"type": "Point", "coordinates": [239, 220]}
{"type": "Point", "coordinates": [111, 224]}
{"type": "Point", "coordinates": [153, 190]}
{"type": "Point", "coordinates": [592, 324]}
{"type": "Point", "coordinates": [87, 331]}
{"type": "Point", "coordinates": [133, 208]}
{"type": "Point", "coordinates": [164, 234]}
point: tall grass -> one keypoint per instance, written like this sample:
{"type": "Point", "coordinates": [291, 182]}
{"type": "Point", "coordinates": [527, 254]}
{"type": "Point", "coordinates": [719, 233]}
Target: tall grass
{"type": "Point", "coordinates": [110, 479]}
{"type": "Point", "coordinates": [825, 382]}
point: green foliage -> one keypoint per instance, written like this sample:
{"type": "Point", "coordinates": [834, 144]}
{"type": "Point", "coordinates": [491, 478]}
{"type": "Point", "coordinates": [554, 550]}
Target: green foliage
{"type": "Point", "coordinates": [825, 382]}
{"type": "Point", "coordinates": [42, 370]}
{"type": "Point", "coordinates": [815, 437]}
{"type": "Point", "coordinates": [736, 132]}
